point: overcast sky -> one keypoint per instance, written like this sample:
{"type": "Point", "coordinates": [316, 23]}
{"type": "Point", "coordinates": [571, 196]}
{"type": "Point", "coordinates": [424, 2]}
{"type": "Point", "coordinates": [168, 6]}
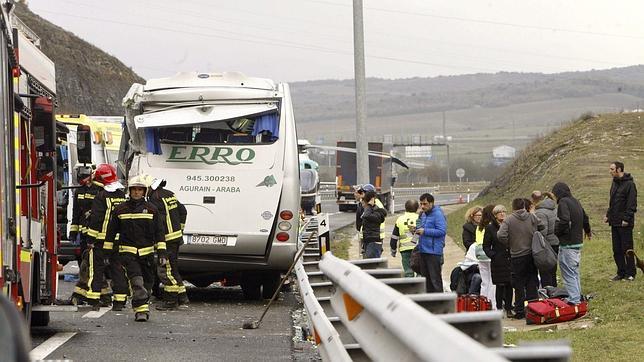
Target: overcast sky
{"type": "Point", "coordinates": [293, 40]}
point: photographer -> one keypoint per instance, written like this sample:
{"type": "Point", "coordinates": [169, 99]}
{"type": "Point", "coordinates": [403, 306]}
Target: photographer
{"type": "Point", "coordinates": [372, 216]}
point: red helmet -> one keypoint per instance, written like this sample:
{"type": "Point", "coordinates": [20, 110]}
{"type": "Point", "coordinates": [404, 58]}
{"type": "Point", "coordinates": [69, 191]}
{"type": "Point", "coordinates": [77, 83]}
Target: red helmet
{"type": "Point", "coordinates": [105, 174]}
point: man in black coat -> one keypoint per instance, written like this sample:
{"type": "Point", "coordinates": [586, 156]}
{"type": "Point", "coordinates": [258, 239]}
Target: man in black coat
{"type": "Point", "coordinates": [621, 218]}
{"type": "Point", "coordinates": [571, 226]}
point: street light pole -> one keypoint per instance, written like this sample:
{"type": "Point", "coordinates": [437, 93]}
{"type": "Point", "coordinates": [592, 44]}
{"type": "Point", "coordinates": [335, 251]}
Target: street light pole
{"type": "Point", "coordinates": [362, 146]}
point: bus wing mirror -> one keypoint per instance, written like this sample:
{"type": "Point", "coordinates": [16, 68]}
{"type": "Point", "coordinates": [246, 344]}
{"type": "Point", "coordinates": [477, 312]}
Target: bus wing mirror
{"type": "Point", "coordinates": [84, 144]}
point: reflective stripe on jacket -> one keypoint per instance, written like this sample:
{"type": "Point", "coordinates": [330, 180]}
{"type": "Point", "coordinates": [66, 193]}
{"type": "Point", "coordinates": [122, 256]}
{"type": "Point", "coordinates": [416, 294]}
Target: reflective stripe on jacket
{"type": "Point", "coordinates": [139, 226]}
{"type": "Point", "coordinates": [172, 212]}
{"type": "Point", "coordinates": [102, 207]}
{"type": "Point", "coordinates": [405, 236]}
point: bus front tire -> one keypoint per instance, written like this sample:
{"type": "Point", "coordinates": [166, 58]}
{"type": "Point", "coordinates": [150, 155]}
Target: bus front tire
{"type": "Point", "coordinates": [251, 288]}
{"type": "Point", "coordinates": [269, 285]}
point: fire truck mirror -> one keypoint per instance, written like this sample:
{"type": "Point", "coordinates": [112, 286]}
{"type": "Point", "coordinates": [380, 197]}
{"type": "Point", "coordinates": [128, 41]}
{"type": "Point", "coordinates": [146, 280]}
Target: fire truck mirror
{"type": "Point", "coordinates": [44, 124]}
{"type": "Point", "coordinates": [84, 144]}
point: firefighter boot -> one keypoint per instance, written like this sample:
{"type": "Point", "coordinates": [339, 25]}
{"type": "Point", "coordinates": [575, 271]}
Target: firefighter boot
{"type": "Point", "coordinates": [167, 305]}
{"type": "Point", "coordinates": [183, 299]}
{"type": "Point", "coordinates": [118, 306]}
{"type": "Point", "coordinates": [169, 301]}
{"type": "Point", "coordinates": [141, 316]}
{"type": "Point", "coordinates": [77, 299]}
{"type": "Point", "coordinates": [105, 300]}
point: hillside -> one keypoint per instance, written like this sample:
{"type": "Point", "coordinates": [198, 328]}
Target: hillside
{"type": "Point", "coordinates": [333, 99]}
{"type": "Point", "coordinates": [580, 155]}
{"type": "Point", "coordinates": [88, 80]}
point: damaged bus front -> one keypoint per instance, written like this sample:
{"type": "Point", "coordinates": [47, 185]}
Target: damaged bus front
{"type": "Point", "coordinates": [227, 146]}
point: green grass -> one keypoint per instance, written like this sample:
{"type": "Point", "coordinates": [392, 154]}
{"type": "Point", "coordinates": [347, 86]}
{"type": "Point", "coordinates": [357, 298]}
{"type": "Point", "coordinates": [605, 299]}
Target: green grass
{"type": "Point", "coordinates": [341, 242]}
{"type": "Point", "coordinates": [580, 156]}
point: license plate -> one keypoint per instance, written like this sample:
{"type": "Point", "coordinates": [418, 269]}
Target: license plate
{"type": "Point", "coordinates": [342, 198]}
{"type": "Point", "coordinates": [221, 240]}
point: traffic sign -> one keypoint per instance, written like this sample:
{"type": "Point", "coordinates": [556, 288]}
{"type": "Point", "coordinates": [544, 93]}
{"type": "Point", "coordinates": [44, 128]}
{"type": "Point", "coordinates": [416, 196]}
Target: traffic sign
{"type": "Point", "coordinates": [460, 173]}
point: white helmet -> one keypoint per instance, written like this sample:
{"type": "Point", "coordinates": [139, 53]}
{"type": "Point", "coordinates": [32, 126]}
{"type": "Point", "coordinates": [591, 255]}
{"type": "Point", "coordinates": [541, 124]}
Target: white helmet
{"type": "Point", "coordinates": [138, 181]}
{"type": "Point", "coordinates": [157, 182]}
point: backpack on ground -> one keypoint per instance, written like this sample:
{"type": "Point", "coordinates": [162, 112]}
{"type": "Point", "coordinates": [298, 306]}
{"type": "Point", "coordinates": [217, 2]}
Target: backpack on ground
{"type": "Point", "coordinates": [553, 310]}
{"type": "Point", "coordinates": [458, 282]}
{"type": "Point", "coordinates": [542, 253]}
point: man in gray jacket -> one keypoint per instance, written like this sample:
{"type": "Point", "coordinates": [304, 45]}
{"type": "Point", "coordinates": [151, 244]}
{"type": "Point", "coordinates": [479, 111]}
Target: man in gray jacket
{"type": "Point", "coordinates": [546, 211]}
{"type": "Point", "coordinates": [516, 232]}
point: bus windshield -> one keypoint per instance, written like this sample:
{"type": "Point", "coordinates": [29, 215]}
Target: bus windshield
{"type": "Point", "coordinates": [260, 129]}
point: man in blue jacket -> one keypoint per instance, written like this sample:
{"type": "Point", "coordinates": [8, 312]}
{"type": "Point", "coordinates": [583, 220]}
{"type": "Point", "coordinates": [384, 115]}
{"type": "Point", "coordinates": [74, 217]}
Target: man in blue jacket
{"type": "Point", "coordinates": [432, 229]}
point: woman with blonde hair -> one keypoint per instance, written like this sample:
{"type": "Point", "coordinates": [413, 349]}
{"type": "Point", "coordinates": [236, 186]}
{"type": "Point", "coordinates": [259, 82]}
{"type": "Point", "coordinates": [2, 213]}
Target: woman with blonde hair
{"type": "Point", "coordinates": [488, 289]}
{"type": "Point", "coordinates": [472, 219]}
{"type": "Point", "coordinates": [500, 261]}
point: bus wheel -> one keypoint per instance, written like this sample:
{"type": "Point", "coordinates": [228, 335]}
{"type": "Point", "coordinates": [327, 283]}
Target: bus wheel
{"type": "Point", "coordinates": [270, 283]}
{"type": "Point", "coordinates": [251, 287]}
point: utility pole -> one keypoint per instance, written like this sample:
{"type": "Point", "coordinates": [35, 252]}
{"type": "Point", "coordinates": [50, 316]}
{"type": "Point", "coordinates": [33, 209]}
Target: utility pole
{"type": "Point", "coordinates": [362, 145]}
{"type": "Point", "coordinates": [447, 144]}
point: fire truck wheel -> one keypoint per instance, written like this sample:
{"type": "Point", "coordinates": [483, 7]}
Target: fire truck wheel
{"type": "Point", "coordinates": [39, 319]}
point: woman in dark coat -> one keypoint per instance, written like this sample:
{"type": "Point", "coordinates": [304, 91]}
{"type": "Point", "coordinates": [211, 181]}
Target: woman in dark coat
{"type": "Point", "coordinates": [472, 219]}
{"type": "Point", "coordinates": [500, 256]}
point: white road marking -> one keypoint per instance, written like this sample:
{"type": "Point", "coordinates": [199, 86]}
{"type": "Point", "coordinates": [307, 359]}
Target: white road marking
{"type": "Point", "coordinates": [96, 313]}
{"type": "Point", "coordinates": [47, 347]}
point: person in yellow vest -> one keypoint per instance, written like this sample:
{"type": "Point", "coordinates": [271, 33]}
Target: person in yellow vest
{"type": "Point", "coordinates": [402, 238]}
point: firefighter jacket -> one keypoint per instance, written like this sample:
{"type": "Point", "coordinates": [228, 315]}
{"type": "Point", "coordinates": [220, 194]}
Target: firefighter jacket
{"type": "Point", "coordinates": [139, 227]}
{"type": "Point", "coordinates": [83, 199]}
{"type": "Point", "coordinates": [173, 213]}
{"type": "Point", "coordinates": [402, 238]}
{"type": "Point", "coordinates": [102, 208]}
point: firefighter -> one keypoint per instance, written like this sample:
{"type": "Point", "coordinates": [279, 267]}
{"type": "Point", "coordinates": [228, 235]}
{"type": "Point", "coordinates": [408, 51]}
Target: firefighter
{"type": "Point", "coordinates": [139, 227]}
{"type": "Point", "coordinates": [83, 198]}
{"type": "Point", "coordinates": [100, 251]}
{"type": "Point", "coordinates": [174, 218]}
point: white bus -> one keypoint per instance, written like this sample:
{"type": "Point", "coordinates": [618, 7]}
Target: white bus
{"type": "Point", "coordinates": [227, 146]}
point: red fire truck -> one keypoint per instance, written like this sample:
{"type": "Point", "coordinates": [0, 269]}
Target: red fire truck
{"type": "Point", "coordinates": [29, 172]}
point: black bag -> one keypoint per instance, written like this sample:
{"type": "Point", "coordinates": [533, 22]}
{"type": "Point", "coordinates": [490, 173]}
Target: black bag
{"type": "Point", "coordinates": [544, 257]}
{"type": "Point", "coordinates": [416, 261]}
{"type": "Point", "coordinates": [457, 281]}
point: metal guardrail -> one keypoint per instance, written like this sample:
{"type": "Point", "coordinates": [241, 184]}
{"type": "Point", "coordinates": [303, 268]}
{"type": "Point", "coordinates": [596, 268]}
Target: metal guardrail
{"type": "Point", "coordinates": [388, 325]}
{"type": "Point", "coordinates": [360, 311]}
{"type": "Point", "coordinates": [331, 347]}
{"type": "Point", "coordinates": [403, 192]}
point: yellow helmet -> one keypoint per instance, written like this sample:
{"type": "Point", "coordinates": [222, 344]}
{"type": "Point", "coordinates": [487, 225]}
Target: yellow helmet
{"type": "Point", "coordinates": [138, 181]}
